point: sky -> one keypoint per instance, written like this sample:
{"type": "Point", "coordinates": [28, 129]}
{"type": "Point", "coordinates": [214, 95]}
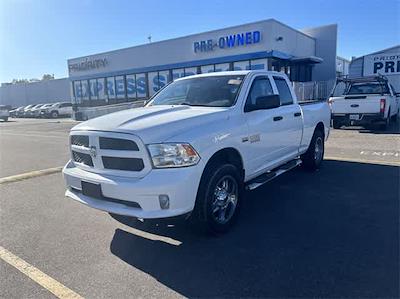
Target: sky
{"type": "Point", "coordinates": [38, 36]}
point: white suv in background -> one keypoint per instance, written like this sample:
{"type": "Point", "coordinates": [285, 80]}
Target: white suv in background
{"type": "Point", "coordinates": [57, 109]}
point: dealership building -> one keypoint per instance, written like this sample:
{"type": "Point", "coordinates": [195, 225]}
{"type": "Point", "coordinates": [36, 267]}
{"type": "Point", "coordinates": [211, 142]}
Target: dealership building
{"type": "Point", "coordinates": [110, 81]}
{"type": "Point", "coordinates": [385, 62]}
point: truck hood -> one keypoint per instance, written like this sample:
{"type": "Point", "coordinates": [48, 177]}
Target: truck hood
{"type": "Point", "coordinates": [155, 123]}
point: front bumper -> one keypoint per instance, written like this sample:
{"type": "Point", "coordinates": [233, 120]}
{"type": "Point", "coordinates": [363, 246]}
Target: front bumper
{"type": "Point", "coordinates": [180, 184]}
{"type": "Point", "coordinates": [364, 118]}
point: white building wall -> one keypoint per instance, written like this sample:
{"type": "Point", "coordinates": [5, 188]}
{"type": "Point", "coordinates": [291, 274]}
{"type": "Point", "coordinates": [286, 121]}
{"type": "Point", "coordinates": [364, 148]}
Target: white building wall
{"type": "Point", "coordinates": [292, 42]}
{"type": "Point", "coordinates": [50, 91]}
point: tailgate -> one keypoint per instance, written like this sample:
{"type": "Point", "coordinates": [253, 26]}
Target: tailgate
{"type": "Point", "coordinates": [357, 104]}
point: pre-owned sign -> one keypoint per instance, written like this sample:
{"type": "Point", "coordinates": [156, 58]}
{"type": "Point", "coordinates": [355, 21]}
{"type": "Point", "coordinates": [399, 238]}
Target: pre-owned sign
{"type": "Point", "coordinates": [384, 64]}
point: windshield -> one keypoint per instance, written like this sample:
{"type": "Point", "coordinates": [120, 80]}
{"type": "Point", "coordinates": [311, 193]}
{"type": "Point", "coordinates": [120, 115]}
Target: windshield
{"type": "Point", "coordinates": [213, 91]}
{"type": "Point", "coordinates": [368, 88]}
{"type": "Point", "coordinates": [47, 105]}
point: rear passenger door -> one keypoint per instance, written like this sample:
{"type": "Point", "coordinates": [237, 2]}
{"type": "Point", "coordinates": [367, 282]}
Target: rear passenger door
{"type": "Point", "coordinates": [291, 122]}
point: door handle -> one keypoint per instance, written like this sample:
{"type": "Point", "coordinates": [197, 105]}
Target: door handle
{"type": "Point", "coordinates": [278, 118]}
{"type": "Point", "coordinates": [297, 114]}
{"type": "Point", "coordinates": [354, 105]}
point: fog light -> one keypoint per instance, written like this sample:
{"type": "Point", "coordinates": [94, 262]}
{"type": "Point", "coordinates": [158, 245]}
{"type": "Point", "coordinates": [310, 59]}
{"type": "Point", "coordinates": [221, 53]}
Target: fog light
{"type": "Point", "coordinates": [164, 201]}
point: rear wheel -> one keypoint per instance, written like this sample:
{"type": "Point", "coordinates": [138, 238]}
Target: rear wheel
{"type": "Point", "coordinates": [336, 124]}
{"type": "Point", "coordinates": [314, 156]}
{"type": "Point", "coordinates": [386, 125]}
{"type": "Point", "coordinates": [218, 198]}
{"type": "Point", "coordinates": [54, 114]}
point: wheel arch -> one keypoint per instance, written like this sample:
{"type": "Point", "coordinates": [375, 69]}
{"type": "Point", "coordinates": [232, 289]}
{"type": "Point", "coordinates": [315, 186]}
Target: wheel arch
{"type": "Point", "coordinates": [320, 127]}
{"type": "Point", "coordinates": [229, 155]}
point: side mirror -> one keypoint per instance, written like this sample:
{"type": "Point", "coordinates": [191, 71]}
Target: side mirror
{"type": "Point", "coordinates": [265, 102]}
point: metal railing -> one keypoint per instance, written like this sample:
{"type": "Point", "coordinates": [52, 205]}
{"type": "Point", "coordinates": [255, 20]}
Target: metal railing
{"type": "Point", "coordinates": [311, 91]}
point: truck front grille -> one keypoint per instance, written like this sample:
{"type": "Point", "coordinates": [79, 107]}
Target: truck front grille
{"type": "Point", "coordinates": [82, 158]}
{"type": "Point", "coordinates": [108, 152]}
{"type": "Point", "coordinates": [117, 144]}
{"type": "Point", "coordinates": [80, 140]}
{"type": "Point", "coordinates": [130, 164]}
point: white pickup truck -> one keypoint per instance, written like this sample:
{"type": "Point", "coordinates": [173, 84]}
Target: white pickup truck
{"type": "Point", "coordinates": [364, 101]}
{"type": "Point", "coordinates": [195, 147]}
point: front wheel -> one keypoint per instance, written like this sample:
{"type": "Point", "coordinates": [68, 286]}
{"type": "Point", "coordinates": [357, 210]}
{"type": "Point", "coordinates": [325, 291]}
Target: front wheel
{"type": "Point", "coordinates": [218, 198]}
{"type": "Point", "coordinates": [314, 156]}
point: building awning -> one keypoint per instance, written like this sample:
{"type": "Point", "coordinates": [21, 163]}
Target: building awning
{"type": "Point", "coordinates": [307, 59]}
{"type": "Point", "coordinates": [302, 59]}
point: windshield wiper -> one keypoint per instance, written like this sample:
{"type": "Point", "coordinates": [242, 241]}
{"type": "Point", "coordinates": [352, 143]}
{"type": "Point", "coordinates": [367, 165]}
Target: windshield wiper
{"type": "Point", "coordinates": [190, 104]}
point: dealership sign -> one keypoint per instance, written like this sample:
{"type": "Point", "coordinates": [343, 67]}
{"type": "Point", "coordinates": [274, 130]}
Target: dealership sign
{"type": "Point", "coordinates": [384, 64]}
{"type": "Point", "coordinates": [228, 41]}
{"type": "Point", "coordinates": [87, 64]}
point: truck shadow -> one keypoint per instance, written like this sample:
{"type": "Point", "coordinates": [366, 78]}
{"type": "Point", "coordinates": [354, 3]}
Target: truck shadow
{"type": "Point", "coordinates": [393, 129]}
{"type": "Point", "coordinates": [326, 234]}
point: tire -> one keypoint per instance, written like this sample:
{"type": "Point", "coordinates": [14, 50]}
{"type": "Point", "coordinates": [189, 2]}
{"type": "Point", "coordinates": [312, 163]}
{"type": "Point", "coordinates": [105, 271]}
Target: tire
{"type": "Point", "coordinates": [312, 159]}
{"type": "Point", "coordinates": [386, 125]}
{"type": "Point", "coordinates": [54, 114]}
{"type": "Point", "coordinates": [218, 199]}
{"type": "Point", "coordinates": [336, 124]}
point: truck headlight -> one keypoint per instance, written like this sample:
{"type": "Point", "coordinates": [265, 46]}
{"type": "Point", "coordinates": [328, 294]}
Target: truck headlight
{"type": "Point", "coordinates": [166, 155]}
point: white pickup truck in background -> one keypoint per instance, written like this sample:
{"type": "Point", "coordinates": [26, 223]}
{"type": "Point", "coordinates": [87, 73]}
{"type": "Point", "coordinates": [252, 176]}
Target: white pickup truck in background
{"type": "Point", "coordinates": [364, 101]}
{"type": "Point", "coordinates": [195, 147]}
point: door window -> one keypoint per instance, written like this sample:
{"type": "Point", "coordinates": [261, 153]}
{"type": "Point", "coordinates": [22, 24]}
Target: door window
{"type": "Point", "coordinates": [284, 91]}
{"type": "Point", "coordinates": [261, 87]}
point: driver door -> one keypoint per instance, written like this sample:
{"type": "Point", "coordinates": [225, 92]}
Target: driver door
{"type": "Point", "coordinates": [264, 143]}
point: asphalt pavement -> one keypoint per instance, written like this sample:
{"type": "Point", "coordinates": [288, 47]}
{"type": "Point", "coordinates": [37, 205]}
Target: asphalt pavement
{"type": "Point", "coordinates": [332, 233]}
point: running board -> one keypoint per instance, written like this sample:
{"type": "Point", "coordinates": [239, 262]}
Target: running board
{"type": "Point", "coordinates": [270, 175]}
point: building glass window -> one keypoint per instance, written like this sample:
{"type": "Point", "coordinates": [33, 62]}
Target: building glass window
{"type": "Point", "coordinates": [163, 78]}
{"type": "Point", "coordinates": [78, 91]}
{"type": "Point", "coordinates": [241, 65]}
{"type": "Point", "coordinates": [93, 89]}
{"type": "Point", "coordinates": [131, 86]}
{"type": "Point", "coordinates": [190, 71]}
{"type": "Point", "coordinates": [110, 88]}
{"type": "Point", "coordinates": [85, 92]}
{"type": "Point", "coordinates": [141, 85]}
{"type": "Point", "coordinates": [120, 87]}
{"type": "Point", "coordinates": [153, 83]}
{"type": "Point", "coordinates": [222, 67]}
{"type": "Point", "coordinates": [178, 73]}
{"type": "Point", "coordinates": [100, 89]}
{"type": "Point", "coordinates": [207, 69]}
{"type": "Point", "coordinates": [259, 64]}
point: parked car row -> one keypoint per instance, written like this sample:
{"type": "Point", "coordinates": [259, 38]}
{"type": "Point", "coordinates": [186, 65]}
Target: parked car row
{"type": "Point", "coordinates": [52, 110]}
{"type": "Point", "coordinates": [4, 112]}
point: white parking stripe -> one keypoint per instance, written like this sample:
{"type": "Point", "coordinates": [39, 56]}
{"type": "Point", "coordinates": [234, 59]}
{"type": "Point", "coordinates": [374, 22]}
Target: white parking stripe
{"type": "Point", "coordinates": [391, 163]}
{"type": "Point", "coordinates": [29, 175]}
{"type": "Point", "coordinates": [50, 284]}
{"type": "Point", "coordinates": [33, 135]}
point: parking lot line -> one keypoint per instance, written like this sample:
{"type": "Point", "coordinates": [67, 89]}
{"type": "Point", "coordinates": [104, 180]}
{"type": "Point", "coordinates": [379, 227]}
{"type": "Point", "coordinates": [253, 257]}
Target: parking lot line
{"type": "Point", "coordinates": [50, 284]}
{"type": "Point", "coordinates": [391, 163]}
{"type": "Point", "coordinates": [29, 175]}
{"type": "Point", "coordinates": [32, 135]}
